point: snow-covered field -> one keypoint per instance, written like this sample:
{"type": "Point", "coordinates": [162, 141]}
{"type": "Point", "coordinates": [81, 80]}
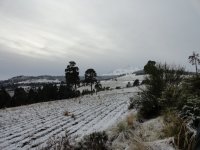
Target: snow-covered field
{"type": "Point", "coordinates": [118, 82]}
{"type": "Point", "coordinates": [39, 81]}
{"type": "Point", "coordinates": [29, 127]}
{"type": "Point", "coordinates": [122, 81]}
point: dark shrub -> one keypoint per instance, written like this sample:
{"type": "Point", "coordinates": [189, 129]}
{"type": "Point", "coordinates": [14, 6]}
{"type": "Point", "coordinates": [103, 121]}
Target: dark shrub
{"type": "Point", "coordinates": [94, 141]}
{"type": "Point", "coordinates": [160, 89]}
{"type": "Point", "coordinates": [136, 82]}
{"type": "Point", "coordinates": [128, 85]}
{"type": "Point", "coordinates": [5, 99]}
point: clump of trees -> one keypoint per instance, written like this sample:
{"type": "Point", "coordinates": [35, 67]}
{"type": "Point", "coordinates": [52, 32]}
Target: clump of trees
{"type": "Point", "coordinates": [49, 92]}
{"type": "Point", "coordinates": [162, 88]}
{"type": "Point", "coordinates": [5, 98]}
{"type": "Point", "coordinates": [169, 88]}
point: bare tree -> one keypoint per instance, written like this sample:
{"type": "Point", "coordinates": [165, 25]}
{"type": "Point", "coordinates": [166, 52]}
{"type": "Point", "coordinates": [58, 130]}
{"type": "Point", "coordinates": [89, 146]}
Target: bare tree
{"type": "Point", "coordinates": [194, 60]}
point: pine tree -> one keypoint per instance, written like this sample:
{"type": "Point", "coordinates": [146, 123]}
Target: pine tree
{"type": "Point", "coordinates": [5, 99]}
{"type": "Point", "coordinates": [90, 77]}
{"type": "Point", "coordinates": [72, 75]}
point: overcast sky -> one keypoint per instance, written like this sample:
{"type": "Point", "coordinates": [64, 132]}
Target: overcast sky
{"type": "Point", "coordinates": [40, 37]}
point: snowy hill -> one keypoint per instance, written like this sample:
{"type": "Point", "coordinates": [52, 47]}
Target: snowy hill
{"type": "Point", "coordinates": [30, 127]}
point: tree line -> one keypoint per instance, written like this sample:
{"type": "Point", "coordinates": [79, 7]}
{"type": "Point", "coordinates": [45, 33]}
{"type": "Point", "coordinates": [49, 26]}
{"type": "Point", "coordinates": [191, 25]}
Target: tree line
{"type": "Point", "coordinates": [49, 92]}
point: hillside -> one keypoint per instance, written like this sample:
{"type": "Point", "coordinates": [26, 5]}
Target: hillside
{"type": "Point", "coordinates": [29, 127]}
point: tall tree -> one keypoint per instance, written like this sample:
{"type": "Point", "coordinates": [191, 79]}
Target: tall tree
{"type": "Point", "coordinates": [72, 75]}
{"type": "Point", "coordinates": [90, 77]}
{"type": "Point", "coordinates": [194, 60]}
{"type": "Point", "coordinates": [150, 67]}
{"type": "Point", "coordinates": [20, 97]}
{"type": "Point", "coordinates": [5, 99]}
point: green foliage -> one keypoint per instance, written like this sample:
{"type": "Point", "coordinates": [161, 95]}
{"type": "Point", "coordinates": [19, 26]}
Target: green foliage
{"type": "Point", "coordinates": [192, 86]}
{"type": "Point", "coordinates": [150, 106]}
{"type": "Point", "coordinates": [161, 89]}
{"type": "Point", "coordinates": [171, 96]}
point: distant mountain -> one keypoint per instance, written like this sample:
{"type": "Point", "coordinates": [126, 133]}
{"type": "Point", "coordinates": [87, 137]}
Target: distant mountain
{"type": "Point", "coordinates": [122, 71]}
{"type": "Point", "coordinates": [26, 80]}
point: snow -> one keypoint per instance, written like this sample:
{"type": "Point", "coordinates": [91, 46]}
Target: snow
{"type": "Point", "coordinates": [39, 81]}
{"type": "Point", "coordinates": [122, 81]}
{"type": "Point", "coordinates": [30, 127]}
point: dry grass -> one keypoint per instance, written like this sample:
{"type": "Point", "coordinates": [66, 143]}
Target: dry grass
{"type": "Point", "coordinates": [138, 146]}
{"type": "Point", "coordinates": [172, 124]}
{"type": "Point", "coordinates": [66, 113]}
{"type": "Point", "coordinates": [73, 116]}
{"type": "Point", "coordinates": [130, 119]}
{"type": "Point", "coordinates": [124, 130]}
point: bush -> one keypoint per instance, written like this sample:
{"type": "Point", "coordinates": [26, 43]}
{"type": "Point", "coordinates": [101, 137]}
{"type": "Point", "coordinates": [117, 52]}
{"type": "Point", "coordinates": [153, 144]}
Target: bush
{"type": "Point", "coordinates": [118, 87]}
{"type": "Point", "coordinates": [150, 106]}
{"type": "Point", "coordinates": [171, 96]}
{"type": "Point", "coordinates": [94, 141]}
{"type": "Point", "coordinates": [59, 143]}
{"type": "Point", "coordinates": [107, 88]}
{"type": "Point", "coordinates": [128, 85]}
{"type": "Point", "coordinates": [131, 103]}
{"type": "Point", "coordinates": [87, 92]}
{"type": "Point", "coordinates": [161, 89]}
{"type": "Point", "coordinates": [172, 123]}
{"type": "Point", "coordinates": [185, 139]}
{"type": "Point", "coordinates": [136, 82]}
{"type": "Point", "coordinates": [123, 131]}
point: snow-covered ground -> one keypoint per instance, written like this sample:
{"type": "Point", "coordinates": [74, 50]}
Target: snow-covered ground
{"type": "Point", "coordinates": [39, 81]}
{"type": "Point", "coordinates": [29, 127]}
{"type": "Point", "coordinates": [118, 82]}
{"type": "Point", "coordinates": [122, 81]}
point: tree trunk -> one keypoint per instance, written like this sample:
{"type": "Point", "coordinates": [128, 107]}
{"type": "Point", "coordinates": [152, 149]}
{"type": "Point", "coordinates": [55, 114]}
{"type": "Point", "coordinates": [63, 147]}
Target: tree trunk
{"type": "Point", "coordinates": [91, 88]}
{"type": "Point", "coordinates": [196, 67]}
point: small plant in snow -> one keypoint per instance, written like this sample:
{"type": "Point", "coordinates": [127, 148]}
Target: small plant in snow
{"type": "Point", "coordinates": [59, 143]}
{"type": "Point", "coordinates": [73, 116]}
{"type": "Point", "coordinates": [122, 131]}
{"type": "Point", "coordinates": [66, 113]}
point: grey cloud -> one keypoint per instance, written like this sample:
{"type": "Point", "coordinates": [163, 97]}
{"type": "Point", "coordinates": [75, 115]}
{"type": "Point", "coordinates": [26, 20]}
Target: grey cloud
{"type": "Point", "coordinates": [102, 34]}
